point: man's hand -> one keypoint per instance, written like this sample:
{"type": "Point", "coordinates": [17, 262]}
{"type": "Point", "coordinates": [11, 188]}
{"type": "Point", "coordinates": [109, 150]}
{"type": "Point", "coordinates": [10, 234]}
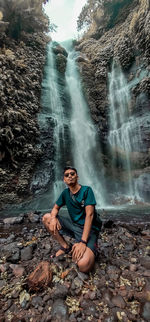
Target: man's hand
{"type": "Point", "coordinates": [51, 223]}
{"type": "Point", "coordinates": [54, 224]}
{"type": "Point", "coordinates": [78, 251]}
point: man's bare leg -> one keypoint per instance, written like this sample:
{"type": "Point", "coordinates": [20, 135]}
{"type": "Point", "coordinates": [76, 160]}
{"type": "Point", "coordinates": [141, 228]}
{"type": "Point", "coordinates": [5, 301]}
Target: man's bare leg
{"type": "Point", "coordinates": [60, 239]}
{"type": "Point", "coordinates": [86, 263]}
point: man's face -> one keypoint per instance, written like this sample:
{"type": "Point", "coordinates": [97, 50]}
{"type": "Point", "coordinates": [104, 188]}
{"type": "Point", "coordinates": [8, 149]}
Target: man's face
{"type": "Point", "coordinates": [70, 177]}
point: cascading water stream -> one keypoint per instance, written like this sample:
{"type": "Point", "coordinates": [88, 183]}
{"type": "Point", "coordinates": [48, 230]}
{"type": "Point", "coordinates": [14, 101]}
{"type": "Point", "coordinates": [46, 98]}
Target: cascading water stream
{"type": "Point", "coordinates": [85, 148]}
{"type": "Point", "coordinates": [52, 119]}
{"type": "Point", "coordinates": [119, 139]}
{"type": "Point", "coordinates": [125, 135]}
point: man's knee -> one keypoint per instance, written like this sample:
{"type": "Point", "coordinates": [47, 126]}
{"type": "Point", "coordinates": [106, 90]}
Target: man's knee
{"type": "Point", "coordinates": [45, 218]}
{"type": "Point", "coordinates": [86, 263]}
{"type": "Point", "coordinates": [46, 221]}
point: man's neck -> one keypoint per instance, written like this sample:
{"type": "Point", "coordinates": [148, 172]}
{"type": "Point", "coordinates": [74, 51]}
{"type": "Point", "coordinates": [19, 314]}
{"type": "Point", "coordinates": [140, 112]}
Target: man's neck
{"type": "Point", "coordinates": [74, 188]}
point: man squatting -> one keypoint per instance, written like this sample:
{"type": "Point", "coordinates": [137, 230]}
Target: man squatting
{"type": "Point", "coordinates": [79, 223]}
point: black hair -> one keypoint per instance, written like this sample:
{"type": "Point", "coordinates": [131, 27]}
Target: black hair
{"type": "Point", "coordinates": [70, 168]}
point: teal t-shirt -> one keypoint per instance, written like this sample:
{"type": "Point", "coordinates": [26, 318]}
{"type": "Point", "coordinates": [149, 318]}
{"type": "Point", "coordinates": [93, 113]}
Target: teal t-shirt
{"type": "Point", "coordinates": [77, 202]}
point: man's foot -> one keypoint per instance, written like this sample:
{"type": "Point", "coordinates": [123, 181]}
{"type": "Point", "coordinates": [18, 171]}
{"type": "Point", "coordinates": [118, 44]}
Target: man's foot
{"type": "Point", "coordinates": [63, 250]}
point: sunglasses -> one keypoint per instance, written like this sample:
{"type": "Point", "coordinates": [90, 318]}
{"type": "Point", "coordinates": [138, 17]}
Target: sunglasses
{"type": "Point", "coordinates": [70, 173]}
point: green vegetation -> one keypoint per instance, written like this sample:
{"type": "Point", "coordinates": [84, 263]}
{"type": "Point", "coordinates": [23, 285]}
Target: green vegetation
{"type": "Point", "coordinates": [23, 15]}
{"type": "Point", "coordinates": [102, 14]}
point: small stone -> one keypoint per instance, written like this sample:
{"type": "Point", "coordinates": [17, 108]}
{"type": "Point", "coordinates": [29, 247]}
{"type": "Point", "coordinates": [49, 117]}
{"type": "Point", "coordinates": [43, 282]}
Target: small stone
{"type": "Point", "coordinates": [36, 301]}
{"type": "Point", "coordinates": [26, 253]}
{"type": "Point", "coordinates": [77, 283]}
{"type": "Point", "coordinates": [146, 311]}
{"type": "Point", "coordinates": [133, 267]}
{"type": "Point", "coordinates": [47, 297]}
{"type": "Point", "coordinates": [60, 291]}
{"type": "Point", "coordinates": [14, 255]}
{"type": "Point", "coordinates": [119, 301]}
{"type": "Point", "coordinates": [47, 246]}
{"type": "Point", "coordinates": [133, 260]}
{"type": "Point", "coordinates": [2, 283]}
{"type": "Point", "coordinates": [145, 261]}
{"type": "Point", "coordinates": [13, 220]}
{"type": "Point", "coordinates": [33, 218]}
{"type": "Point", "coordinates": [59, 310]}
{"type": "Point", "coordinates": [146, 273]}
{"type": "Point", "coordinates": [4, 267]}
{"type": "Point", "coordinates": [18, 270]}
{"type": "Point", "coordinates": [83, 276]}
{"type": "Point", "coordinates": [92, 295]}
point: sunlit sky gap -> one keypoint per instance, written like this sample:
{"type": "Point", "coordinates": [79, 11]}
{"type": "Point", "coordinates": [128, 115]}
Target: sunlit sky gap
{"type": "Point", "coordinates": [64, 14]}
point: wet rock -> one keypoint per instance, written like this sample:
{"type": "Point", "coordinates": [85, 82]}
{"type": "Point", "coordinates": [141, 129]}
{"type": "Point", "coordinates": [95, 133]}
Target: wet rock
{"type": "Point", "coordinates": [89, 307]}
{"type": "Point", "coordinates": [13, 220]}
{"type": "Point", "coordinates": [59, 311]}
{"type": "Point", "coordinates": [119, 301]}
{"type": "Point", "coordinates": [83, 276]}
{"type": "Point", "coordinates": [77, 284]}
{"type": "Point", "coordinates": [7, 305]}
{"type": "Point", "coordinates": [146, 311]}
{"type": "Point", "coordinates": [18, 270]}
{"type": "Point", "coordinates": [107, 295]}
{"type": "Point", "coordinates": [60, 50]}
{"type": "Point", "coordinates": [34, 218]}
{"type": "Point", "coordinates": [133, 260]}
{"type": "Point", "coordinates": [36, 301]}
{"type": "Point", "coordinates": [61, 63]}
{"type": "Point", "coordinates": [133, 267]}
{"type": "Point", "coordinates": [12, 252]}
{"type": "Point", "coordinates": [26, 253]}
{"type": "Point", "coordinates": [113, 272]}
{"type": "Point", "coordinates": [60, 292]}
{"type": "Point", "coordinates": [146, 273]}
{"type": "Point", "coordinates": [145, 261]}
{"type": "Point", "coordinates": [2, 283]}
{"type": "Point", "coordinates": [4, 267]}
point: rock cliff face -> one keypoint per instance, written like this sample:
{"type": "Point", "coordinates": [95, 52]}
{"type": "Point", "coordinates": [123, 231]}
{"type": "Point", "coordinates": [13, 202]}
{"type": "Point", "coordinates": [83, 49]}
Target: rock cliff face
{"type": "Point", "coordinates": [128, 42]}
{"type": "Point", "coordinates": [21, 70]}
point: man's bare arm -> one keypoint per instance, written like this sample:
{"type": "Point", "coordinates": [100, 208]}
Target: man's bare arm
{"type": "Point", "coordinates": [88, 222]}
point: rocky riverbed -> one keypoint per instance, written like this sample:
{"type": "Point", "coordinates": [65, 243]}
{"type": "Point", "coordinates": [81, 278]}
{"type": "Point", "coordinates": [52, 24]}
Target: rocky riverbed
{"type": "Point", "coordinates": [118, 288]}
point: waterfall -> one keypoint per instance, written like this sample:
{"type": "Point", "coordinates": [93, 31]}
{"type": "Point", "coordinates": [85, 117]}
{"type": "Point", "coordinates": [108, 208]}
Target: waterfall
{"type": "Point", "coordinates": [86, 150]}
{"type": "Point", "coordinates": [125, 134]}
{"type": "Point", "coordinates": [69, 135]}
{"type": "Point", "coordinates": [119, 138]}
{"type": "Point", "coordinates": [54, 126]}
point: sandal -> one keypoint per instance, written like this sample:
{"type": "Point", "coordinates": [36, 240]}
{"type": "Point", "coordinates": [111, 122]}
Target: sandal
{"type": "Point", "coordinates": [65, 250]}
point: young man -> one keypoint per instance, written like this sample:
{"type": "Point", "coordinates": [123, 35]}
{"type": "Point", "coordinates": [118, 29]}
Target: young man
{"type": "Point", "coordinates": [80, 202]}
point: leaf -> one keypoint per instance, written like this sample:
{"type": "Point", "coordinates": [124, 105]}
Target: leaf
{"type": "Point", "coordinates": [24, 296]}
{"type": "Point", "coordinates": [73, 304]}
{"type": "Point", "coordinates": [124, 281]}
{"type": "Point", "coordinates": [65, 273]}
{"type": "Point", "coordinates": [30, 242]}
{"type": "Point", "coordinates": [119, 316]}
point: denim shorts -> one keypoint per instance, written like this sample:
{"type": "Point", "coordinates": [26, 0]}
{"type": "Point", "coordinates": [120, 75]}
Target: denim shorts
{"type": "Point", "coordinates": [75, 230]}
